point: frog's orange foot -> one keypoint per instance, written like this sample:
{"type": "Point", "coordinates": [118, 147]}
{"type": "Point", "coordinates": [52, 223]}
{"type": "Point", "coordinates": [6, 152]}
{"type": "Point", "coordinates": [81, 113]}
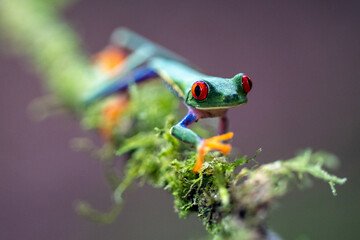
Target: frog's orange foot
{"type": "Point", "coordinates": [111, 114]}
{"type": "Point", "coordinates": [214, 143]}
{"type": "Point", "coordinates": [109, 60]}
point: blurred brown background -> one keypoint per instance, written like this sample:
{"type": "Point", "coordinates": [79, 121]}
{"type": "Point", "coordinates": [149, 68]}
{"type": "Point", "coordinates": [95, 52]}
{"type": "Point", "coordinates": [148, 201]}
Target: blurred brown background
{"type": "Point", "coordinates": [304, 59]}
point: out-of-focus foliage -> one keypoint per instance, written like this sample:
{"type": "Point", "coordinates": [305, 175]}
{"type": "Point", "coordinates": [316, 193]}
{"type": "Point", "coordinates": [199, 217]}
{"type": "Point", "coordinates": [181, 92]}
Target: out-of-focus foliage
{"type": "Point", "coordinates": [35, 29]}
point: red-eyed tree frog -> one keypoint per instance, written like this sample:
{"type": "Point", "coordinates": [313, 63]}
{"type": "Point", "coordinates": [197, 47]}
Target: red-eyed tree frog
{"type": "Point", "coordinates": [205, 96]}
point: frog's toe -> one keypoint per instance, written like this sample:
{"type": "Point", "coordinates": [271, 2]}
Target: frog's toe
{"type": "Point", "coordinates": [215, 143]}
{"type": "Point", "coordinates": [110, 115]}
{"type": "Point", "coordinates": [108, 61]}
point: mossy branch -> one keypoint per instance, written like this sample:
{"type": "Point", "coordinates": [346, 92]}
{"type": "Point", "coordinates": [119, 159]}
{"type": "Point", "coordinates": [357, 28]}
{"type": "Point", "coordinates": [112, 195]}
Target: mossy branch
{"type": "Point", "coordinates": [231, 200]}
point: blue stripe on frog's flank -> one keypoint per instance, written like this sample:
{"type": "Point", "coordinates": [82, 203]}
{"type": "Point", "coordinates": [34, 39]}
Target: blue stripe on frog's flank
{"type": "Point", "coordinates": [118, 85]}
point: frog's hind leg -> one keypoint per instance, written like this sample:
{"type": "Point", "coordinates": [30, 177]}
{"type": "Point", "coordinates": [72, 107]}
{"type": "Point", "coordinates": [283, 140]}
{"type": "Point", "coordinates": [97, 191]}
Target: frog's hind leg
{"type": "Point", "coordinates": [142, 50]}
{"type": "Point", "coordinates": [120, 84]}
{"type": "Point", "coordinates": [114, 107]}
{"type": "Point", "coordinates": [132, 41]}
{"type": "Point", "coordinates": [108, 63]}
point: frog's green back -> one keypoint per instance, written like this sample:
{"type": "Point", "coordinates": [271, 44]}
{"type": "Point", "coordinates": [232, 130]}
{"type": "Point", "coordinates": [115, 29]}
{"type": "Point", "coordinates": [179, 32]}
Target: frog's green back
{"type": "Point", "coordinates": [177, 75]}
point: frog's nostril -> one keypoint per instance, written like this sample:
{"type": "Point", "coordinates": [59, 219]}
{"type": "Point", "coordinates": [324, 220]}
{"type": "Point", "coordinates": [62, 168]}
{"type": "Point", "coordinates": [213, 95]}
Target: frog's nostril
{"type": "Point", "coordinates": [232, 97]}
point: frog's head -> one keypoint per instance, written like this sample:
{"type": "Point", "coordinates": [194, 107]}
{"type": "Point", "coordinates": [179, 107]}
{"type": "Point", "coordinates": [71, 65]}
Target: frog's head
{"type": "Point", "coordinates": [219, 93]}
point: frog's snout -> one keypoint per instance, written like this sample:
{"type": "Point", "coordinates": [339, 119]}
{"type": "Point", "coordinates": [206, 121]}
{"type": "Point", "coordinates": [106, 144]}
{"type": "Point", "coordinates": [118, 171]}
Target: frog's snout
{"type": "Point", "coordinates": [231, 98]}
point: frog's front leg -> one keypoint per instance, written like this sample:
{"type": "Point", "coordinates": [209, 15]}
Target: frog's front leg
{"type": "Point", "coordinates": [181, 132]}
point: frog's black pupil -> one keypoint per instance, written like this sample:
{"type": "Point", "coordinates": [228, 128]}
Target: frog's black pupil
{"type": "Point", "coordinates": [250, 83]}
{"type": "Point", "coordinates": [197, 90]}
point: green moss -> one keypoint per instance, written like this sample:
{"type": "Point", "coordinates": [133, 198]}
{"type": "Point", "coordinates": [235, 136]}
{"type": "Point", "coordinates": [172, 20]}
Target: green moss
{"type": "Point", "coordinates": [224, 188]}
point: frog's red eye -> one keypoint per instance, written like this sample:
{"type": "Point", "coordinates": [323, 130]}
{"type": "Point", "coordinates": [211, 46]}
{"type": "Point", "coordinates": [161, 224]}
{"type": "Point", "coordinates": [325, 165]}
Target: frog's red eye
{"type": "Point", "coordinates": [246, 83]}
{"type": "Point", "coordinates": [199, 90]}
